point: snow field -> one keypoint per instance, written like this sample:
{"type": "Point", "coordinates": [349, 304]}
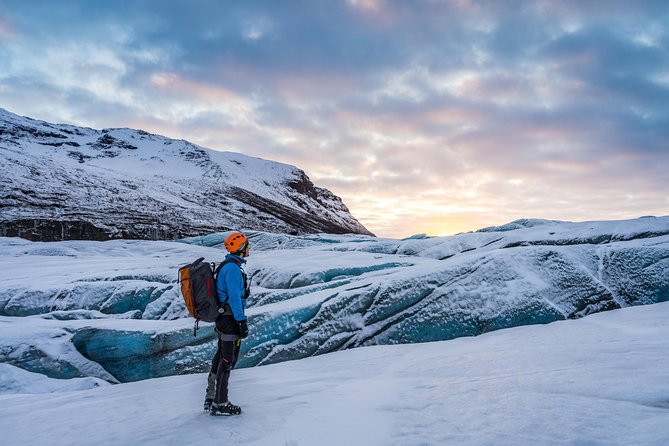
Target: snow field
{"type": "Point", "coordinates": [600, 380]}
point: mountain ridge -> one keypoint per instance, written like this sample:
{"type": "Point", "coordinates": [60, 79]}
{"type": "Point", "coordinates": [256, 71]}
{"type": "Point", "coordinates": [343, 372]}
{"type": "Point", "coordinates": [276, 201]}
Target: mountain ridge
{"type": "Point", "coordinates": [65, 182]}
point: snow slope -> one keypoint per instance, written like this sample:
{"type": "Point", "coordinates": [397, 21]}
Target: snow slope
{"type": "Point", "coordinates": [600, 380]}
{"type": "Point", "coordinates": [63, 182]}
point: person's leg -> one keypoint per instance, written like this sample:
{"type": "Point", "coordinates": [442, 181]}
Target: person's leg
{"type": "Point", "coordinates": [225, 364]}
{"type": "Point", "coordinates": [238, 344]}
{"type": "Point", "coordinates": [228, 358]}
{"type": "Point", "coordinates": [211, 378]}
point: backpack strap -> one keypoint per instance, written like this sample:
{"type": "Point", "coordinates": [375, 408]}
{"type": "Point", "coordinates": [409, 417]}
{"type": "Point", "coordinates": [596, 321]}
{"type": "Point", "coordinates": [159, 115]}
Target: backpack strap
{"type": "Point", "coordinates": [225, 305]}
{"type": "Point", "coordinates": [220, 265]}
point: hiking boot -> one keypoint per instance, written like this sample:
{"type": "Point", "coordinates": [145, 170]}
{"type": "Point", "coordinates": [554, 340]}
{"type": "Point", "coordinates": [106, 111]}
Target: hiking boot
{"type": "Point", "coordinates": [226, 408]}
{"type": "Point", "coordinates": [207, 404]}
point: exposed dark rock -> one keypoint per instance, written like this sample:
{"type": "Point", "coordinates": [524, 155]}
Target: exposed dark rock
{"type": "Point", "coordinates": [51, 230]}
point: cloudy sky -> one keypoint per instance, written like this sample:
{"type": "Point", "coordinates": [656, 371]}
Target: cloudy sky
{"type": "Point", "coordinates": [424, 116]}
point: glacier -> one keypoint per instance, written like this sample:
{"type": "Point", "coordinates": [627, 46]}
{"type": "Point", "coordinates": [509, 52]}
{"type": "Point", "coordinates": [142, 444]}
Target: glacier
{"type": "Point", "coordinates": [14, 380]}
{"type": "Point", "coordinates": [112, 310]}
{"type": "Point", "coordinates": [598, 380]}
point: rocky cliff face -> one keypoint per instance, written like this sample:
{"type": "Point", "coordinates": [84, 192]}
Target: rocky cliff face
{"type": "Point", "coordinates": [61, 182]}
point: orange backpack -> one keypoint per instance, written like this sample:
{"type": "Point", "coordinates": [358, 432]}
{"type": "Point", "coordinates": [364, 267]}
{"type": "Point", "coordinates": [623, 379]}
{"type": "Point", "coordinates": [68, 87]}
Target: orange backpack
{"type": "Point", "coordinates": [198, 288]}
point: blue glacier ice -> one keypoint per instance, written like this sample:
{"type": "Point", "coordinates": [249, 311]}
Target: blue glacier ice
{"type": "Point", "coordinates": [112, 310]}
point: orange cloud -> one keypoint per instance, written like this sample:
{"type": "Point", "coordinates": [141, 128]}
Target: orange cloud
{"type": "Point", "coordinates": [175, 84]}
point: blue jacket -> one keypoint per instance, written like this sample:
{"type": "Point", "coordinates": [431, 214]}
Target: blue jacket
{"type": "Point", "coordinates": [230, 285]}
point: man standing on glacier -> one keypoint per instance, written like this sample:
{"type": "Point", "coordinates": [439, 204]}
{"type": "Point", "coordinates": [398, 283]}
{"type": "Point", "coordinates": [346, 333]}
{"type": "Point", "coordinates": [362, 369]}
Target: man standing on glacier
{"type": "Point", "coordinates": [233, 289]}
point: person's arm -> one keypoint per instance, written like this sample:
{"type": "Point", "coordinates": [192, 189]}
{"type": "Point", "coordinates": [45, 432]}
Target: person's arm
{"type": "Point", "coordinates": [234, 284]}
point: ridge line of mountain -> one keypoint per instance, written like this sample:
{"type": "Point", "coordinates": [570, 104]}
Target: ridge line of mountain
{"type": "Point", "coordinates": [63, 182]}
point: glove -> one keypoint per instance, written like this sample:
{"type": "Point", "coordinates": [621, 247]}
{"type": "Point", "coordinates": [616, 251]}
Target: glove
{"type": "Point", "coordinates": [243, 329]}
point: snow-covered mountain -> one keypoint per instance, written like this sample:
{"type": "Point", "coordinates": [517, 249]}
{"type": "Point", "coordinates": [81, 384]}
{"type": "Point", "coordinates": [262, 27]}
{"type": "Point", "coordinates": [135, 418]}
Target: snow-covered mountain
{"type": "Point", "coordinates": [112, 310]}
{"type": "Point", "coordinates": [600, 380]}
{"type": "Point", "coordinates": [61, 182]}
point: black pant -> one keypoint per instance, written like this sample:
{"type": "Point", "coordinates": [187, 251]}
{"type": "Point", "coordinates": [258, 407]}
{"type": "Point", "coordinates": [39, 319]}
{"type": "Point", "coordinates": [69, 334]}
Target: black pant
{"type": "Point", "coordinates": [223, 363]}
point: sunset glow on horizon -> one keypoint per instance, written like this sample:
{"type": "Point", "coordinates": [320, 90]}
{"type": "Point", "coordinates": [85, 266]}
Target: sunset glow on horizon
{"type": "Point", "coordinates": [432, 117]}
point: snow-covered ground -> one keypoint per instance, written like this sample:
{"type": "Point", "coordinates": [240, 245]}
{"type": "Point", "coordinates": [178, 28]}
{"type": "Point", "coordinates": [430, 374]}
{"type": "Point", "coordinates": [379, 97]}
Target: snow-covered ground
{"type": "Point", "coordinates": [600, 380]}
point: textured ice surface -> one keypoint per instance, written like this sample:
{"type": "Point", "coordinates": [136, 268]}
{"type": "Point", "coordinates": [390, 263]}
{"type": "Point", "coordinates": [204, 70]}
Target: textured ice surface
{"type": "Point", "coordinates": [112, 310]}
{"type": "Point", "coordinates": [16, 380]}
{"type": "Point", "coordinates": [45, 346]}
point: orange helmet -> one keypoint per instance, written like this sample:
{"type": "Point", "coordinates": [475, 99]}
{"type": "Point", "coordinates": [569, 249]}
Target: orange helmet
{"type": "Point", "coordinates": [235, 242]}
